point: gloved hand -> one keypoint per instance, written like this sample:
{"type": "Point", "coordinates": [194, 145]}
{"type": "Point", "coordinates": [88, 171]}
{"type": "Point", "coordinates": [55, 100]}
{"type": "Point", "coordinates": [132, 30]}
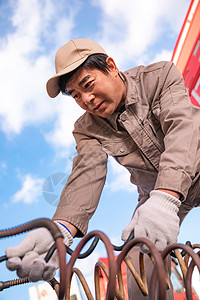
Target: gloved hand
{"type": "Point", "coordinates": [27, 258]}
{"type": "Point", "coordinates": [156, 220]}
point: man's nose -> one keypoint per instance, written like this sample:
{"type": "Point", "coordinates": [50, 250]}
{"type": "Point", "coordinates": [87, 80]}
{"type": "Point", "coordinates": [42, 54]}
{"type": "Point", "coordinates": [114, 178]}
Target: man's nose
{"type": "Point", "coordinates": [88, 98]}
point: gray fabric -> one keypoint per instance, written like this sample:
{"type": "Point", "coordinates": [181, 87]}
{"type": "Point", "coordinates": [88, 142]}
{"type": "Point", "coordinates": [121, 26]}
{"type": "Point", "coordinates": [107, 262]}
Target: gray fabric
{"type": "Point", "coordinates": [156, 220]}
{"type": "Point", "coordinates": [27, 258]}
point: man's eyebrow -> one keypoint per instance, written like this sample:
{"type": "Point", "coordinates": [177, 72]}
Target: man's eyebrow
{"type": "Point", "coordinates": [84, 80]}
{"type": "Point", "coordinates": [69, 92]}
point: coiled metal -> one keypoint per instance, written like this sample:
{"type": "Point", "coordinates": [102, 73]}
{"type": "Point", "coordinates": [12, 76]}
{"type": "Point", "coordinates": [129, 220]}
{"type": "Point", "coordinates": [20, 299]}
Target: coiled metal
{"type": "Point", "coordinates": [188, 258]}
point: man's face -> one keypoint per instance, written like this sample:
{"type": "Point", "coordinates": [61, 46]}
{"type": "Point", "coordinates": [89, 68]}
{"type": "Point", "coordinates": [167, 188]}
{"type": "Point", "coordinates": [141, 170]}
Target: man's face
{"type": "Point", "coordinates": [96, 92]}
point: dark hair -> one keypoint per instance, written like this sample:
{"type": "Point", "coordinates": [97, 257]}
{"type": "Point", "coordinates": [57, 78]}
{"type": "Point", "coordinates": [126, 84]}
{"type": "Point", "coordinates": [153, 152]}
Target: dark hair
{"type": "Point", "coordinates": [94, 61]}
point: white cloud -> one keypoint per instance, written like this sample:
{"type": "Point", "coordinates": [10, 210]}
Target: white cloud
{"type": "Point", "coordinates": [163, 55]}
{"type": "Point", "coordinates": [26, 64]}
{"type": "Point", "coordinates": [60, 137]}
{"type": "Point", "coordinates": [130, 27]}
{"type": "Point", "coordinates": [30, 191]}
{"type": "Point", "coordinates": [121, 181]}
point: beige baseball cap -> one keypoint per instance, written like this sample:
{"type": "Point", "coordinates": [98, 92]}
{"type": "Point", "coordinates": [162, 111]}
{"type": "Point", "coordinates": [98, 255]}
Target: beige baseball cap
{"type": "Point", "coordinates": [68, 58]}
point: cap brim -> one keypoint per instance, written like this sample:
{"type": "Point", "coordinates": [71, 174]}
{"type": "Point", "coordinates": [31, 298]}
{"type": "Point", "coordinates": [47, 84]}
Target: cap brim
{"type": "Point", "coordinates": [52, 85]}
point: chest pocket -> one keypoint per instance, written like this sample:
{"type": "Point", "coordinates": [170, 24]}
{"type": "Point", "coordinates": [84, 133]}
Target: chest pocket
{"type": "Point", "coordinates": [118, 147]}
{"type": "Point", "coordinates": [127, 154]}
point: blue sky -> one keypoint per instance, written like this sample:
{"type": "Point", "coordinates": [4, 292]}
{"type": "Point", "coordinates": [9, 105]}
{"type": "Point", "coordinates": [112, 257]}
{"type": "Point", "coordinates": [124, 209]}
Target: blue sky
{"type": "Point", "coordinates": [35, 131]}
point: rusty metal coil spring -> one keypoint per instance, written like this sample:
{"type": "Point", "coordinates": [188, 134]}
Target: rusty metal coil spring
{"type": "Point", "coordinates": [159, 276]}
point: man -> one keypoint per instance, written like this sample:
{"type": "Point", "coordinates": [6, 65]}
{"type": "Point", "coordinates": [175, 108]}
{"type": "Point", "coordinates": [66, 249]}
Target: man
{"type": "Point", "coordinates": [145, 120]}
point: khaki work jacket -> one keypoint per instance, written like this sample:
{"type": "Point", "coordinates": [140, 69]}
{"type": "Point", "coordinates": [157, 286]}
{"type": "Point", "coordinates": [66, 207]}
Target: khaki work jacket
{"type": "Point", "coordinates": [156, 136]}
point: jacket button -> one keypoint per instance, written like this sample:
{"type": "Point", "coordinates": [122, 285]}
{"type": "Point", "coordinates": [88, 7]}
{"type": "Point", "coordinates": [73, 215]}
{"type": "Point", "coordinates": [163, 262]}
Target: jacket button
{"type": "Point", "coordinates": [121, 150]}
{"type": "Point", "coordinates": [123, 118]}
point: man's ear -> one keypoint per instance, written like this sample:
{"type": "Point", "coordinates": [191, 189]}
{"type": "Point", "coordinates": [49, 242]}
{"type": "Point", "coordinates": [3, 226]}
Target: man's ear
{"type": "Point", "coordinates": [112, 66]}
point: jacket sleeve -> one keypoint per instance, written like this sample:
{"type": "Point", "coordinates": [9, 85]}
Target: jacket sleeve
{"type": "Point", "coordinates": [81, 194]}
{"type": "Point", "coordinates": [180, 125]}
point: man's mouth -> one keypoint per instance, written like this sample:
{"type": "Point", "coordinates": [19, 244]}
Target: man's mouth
{"type": "Point", "coordinates": [98, 106]}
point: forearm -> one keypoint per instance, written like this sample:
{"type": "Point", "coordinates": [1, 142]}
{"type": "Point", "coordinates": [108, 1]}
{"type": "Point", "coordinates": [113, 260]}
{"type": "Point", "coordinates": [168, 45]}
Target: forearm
{"type": "Point", "coordinates": [180, 126]}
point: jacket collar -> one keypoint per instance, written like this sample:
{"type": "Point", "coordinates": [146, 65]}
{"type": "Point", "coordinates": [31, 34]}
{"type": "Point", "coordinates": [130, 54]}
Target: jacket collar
{"type": "Point", "coordinates": [131, 88]}
{"type": "Point", "coordinates": [131, 97]}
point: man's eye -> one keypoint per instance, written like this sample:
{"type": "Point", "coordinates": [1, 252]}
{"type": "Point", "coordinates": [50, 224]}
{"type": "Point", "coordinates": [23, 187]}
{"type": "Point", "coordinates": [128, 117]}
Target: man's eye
{"type": "Point", "coordinates": [88, 84]}
{"type": "Point", "coordinates": [75, 96]}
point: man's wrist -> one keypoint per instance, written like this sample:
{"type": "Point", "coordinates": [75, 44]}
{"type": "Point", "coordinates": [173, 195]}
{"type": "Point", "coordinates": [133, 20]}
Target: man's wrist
{"type": "Point", "coordinates": [173, 193]}
{"type": "Point", "coordinates": [67, 236]}
{"type": "Point", "coordinates": [73, 230]}
{"type": "Point", "coordinates": [164, 201]}
{"type": "Point", "coordinates": [64, 227]}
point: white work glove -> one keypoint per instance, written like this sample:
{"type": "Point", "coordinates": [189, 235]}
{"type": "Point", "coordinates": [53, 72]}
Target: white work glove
{"type": "Point", "coordinates": [156, 220]}
{"type": "Point", "coordinates": [27, 258]}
